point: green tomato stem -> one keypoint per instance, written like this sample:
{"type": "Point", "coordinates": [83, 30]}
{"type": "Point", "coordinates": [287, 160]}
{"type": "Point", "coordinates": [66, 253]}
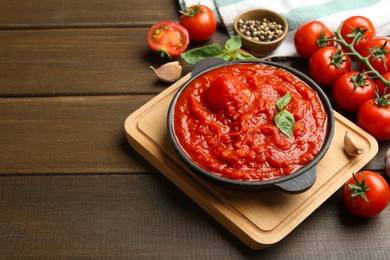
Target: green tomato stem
{"type": "Point", "coordinates": [364, 60]}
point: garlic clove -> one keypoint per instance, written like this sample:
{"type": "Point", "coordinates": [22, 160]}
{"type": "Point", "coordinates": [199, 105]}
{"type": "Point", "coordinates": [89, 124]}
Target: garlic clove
{"type": "Point", "coordinates": [168, 72]}
{"type": "Point", "coordinates": [350, 145]}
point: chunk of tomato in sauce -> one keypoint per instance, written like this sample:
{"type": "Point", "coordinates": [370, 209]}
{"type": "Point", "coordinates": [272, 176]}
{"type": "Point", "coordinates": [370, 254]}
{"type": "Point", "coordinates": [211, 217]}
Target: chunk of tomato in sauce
{"type": "Point", "coordinates": [227, 91]}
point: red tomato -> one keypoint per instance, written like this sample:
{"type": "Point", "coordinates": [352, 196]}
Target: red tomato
{"type": "Point", "coordinates": [168, 38]}
{"type": "Point", "coordinates": [366, 194]}
{"type": "Point", "coordinates": [351, 90]}
{"type": "Point", "coordinates": [381, 86]}
{"type": "Point", "coordinates": [200, 22]}
{"type": "Point", "coordinates": [375, 119]}
{"type": "Point", "coordinates": [380, 47]}
{"type": "Point", "coordinates": [310, 37]}
{"type": "Point", "coordinates": [323, 65]}
{"type": "Point", "coordinates": [354, 22]}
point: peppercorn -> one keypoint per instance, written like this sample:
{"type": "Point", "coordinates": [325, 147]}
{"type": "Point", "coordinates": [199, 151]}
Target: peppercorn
{"type": "Point", "coordinates": [260, 30]}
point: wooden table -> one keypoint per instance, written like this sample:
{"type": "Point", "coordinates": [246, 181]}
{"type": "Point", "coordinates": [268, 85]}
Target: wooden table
{"type": "Point", "coordinates": [70, 184]}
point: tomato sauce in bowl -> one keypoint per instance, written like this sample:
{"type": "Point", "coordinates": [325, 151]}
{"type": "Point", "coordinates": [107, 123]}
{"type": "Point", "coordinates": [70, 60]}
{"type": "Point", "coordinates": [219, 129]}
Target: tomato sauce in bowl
{"type": "Point", "coordinates": [223, 120]}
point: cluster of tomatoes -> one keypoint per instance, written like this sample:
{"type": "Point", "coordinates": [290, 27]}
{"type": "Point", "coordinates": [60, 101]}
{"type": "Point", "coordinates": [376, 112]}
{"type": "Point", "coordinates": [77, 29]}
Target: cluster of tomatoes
{"type": "Point", "coordinates": [331, 63]}
{"type": "Point", "coordinates": [170, 39]}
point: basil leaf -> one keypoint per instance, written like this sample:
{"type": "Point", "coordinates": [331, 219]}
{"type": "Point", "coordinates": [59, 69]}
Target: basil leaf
{"type": "Point", "coordinates": [228, 52]}
{"type": "Point", "coordinates": [285, 121]}
{"type": "Point", "coordinates": [233, 44]}
{"type": "Point", "coordinates": [197, 54]}
{"type": "Point", "coordinates": [283, 101]}
{"type": "Point", "coordinates": [243, 56]}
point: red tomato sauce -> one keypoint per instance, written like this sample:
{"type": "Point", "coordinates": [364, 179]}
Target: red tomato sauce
{"type": "Point", "coordinates": [224, 120]}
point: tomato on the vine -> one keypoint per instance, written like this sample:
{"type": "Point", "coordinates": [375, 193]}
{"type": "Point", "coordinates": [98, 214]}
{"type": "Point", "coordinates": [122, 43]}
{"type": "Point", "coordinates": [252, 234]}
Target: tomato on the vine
{"type": "Point", "coordinates": [358, 24]}
{"type": "Point", "coordinates": [200, 22]}
{"type": "Point", "coordinates": [366, 194]}
{"type": "Point", "coordinates": [351, 90]}
{"type": "Point", "coordinates": [328, 64]}
{"type": "Point", "coordinates": [168, 38]}
{"type": "Point", "coordinates": [375, 118]}
{"type": "Point", "coordinates": [310, 37]}
{"type": "Point", "coordinates": [379, 51]}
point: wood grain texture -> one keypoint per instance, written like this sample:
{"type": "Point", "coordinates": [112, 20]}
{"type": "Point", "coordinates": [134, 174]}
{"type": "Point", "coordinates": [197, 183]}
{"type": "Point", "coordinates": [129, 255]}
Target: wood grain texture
{"type": "Point", "coordinates": [16, 14]}
{"type": "Point", "coordinates": [146, 217]}
{"type": "Point", "coordinates": [76, 62]}
{"type": "Point", "coordinates": [79, 62]}
{"type": "Point", "coordinates": [82, 135]}
{"type": "Point", "coordinates": [71, 186]}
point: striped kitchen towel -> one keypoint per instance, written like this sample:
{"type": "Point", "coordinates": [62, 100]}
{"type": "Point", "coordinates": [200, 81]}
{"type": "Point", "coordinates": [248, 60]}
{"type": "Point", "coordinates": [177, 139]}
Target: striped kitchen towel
{"type": "Point", "coordinates": [297, 12]}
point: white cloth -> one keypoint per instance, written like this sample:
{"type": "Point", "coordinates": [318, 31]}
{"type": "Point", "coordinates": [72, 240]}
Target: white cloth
{"type": "Point", "coordinates": [297, 12]}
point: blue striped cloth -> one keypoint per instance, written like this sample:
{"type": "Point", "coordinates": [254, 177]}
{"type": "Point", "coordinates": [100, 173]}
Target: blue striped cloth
{"type": "Point", "coordinates": [297, 12]}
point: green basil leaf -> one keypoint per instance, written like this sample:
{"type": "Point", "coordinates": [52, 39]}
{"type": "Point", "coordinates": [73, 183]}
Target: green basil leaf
{"type": "Point", "coordinates": [228, 52]}
{"type": "Point", "coordinates": [283, 101]}
{"type": "Point", "coordinates": [233, 44]}
{"type": "Point", "coordinates": [243, 56]}
{"type": "Point", "coordinates": [224, 56]}
{"type": "Point", "coordinates": [285, 121]}
{"type": "Point", "coordinates": [197, 54]}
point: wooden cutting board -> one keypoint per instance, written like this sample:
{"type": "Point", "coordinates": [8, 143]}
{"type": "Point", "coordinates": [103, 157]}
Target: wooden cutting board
{"type": "Point", "coordinates": [259, 219]}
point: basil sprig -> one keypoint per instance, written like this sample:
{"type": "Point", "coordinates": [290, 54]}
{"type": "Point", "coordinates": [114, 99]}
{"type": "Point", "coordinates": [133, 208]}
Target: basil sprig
{"type": "Point", "coordinates": [230, 51]}
{"type": "Point", "coordinates": [284, 119]}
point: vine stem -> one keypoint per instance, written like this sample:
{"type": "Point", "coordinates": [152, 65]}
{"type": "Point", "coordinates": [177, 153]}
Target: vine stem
{"type": "Point", "coordinates": [364, 60]}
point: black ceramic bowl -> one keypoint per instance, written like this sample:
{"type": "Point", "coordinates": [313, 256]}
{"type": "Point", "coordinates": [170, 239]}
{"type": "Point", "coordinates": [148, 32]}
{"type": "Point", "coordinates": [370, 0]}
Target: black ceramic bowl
{"type": "Point", "coordinates": [298, 181]}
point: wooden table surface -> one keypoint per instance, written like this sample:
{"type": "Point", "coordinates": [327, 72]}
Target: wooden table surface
{"type": "Point", "coordinates": [70, 184]}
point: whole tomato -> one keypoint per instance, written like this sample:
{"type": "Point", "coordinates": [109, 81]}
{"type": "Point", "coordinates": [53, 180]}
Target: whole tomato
{"type": "Point", "coordinates": [310, 37]}
{"type": "Point", "coordinates": [357, 24]}
{"type": "Point", "coordinates": [328, 64]}
{"type": "Point", "coordinates": [200, 22]}
{"type": "Point", "coordinates": [381, 86]}
{"type": "Point", "coordinates": [351, 90]}
{"type": "Point", "coordinates": [168, 38]}
{"type": "Point", "coordinates": [374, 118]}
{"type": "Point", "coordinates": [379, 51]}
{"type": "Point", "coordinates": [366, 194]}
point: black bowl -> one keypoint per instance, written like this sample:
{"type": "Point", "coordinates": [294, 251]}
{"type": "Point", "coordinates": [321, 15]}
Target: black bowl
{"type": "Point", "coordinates": [298, 181]}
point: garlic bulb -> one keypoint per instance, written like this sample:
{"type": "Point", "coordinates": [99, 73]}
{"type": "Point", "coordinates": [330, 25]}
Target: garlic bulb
{"type": "Point", "coordinates": [169, 72]}
{"type": "Point", "coordinates": [350, 145]}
